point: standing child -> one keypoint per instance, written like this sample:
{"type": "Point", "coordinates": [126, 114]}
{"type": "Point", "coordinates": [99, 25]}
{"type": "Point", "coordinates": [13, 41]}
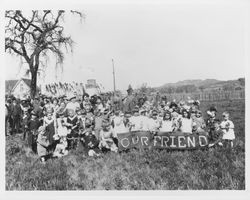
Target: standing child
{"type": "Point", "coordinates": [49, 122]}
{"type": "Point", "coordinates": [199, 122]}
{"type": "Point", "coordinates": [211, 119]}
{"type": "Point", "coordinates": [216, 136]}
{"type": "Point", "coordinates": [227, 127]}
{"type": "Point", "coordinates": [25, 120]}
{"type": "Point", "coordinates": [33, 126]}
{"type": "Point", "coordinates": [72, 125]}
{"type": "Point", "coordinates": [42, 144]}
{"type": "Point", "coordinates": [98, 122]}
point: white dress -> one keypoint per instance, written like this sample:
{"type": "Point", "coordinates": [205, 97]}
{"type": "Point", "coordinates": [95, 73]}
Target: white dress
{"type": "Point", "coordinates": [153, 124]}
{"type": "Point", "coordinates": [186, 125]}
{"type": "Point", "coordinates": [145, 123]}
{"type": "Point", "coordinates": [136, 123]}
{"type": "Point", "coordinates": [167, 126]}
{"type": "Point", "coordinates": [119, 126]}
{"type": "Point", "coordinates": [228, 129]}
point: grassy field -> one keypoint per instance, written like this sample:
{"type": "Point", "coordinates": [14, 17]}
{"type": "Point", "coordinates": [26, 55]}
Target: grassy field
{"type": "Point", "coordinates": [216, 169]}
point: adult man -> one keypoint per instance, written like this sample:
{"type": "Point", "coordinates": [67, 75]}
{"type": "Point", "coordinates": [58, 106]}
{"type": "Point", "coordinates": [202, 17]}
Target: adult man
{"type": "Point", "coordinates": [15, 112]}
{"type": "Point", "coordinates": [128, 102]}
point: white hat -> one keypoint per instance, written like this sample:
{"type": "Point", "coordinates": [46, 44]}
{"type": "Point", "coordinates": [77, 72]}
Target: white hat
{"type": "Point", "coordinates": [71, 96]}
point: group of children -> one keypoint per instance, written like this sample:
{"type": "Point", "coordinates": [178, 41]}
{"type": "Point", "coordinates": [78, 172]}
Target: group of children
{"type": "Point", "coordinates": [53, 127]}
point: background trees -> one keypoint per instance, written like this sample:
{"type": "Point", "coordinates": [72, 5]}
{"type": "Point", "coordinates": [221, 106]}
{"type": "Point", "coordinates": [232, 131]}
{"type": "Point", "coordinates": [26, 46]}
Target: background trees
{"type": "Point", "coordinates": [36, 35]}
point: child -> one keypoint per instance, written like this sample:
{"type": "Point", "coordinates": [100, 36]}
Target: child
{"type": "Point", "coordinates": [42, 144]}
{"type": "Point", "coordinates": [107, 136]}
{"type": "Point", "coordinates": [227, 127]}
{"type": "Point", "coordinates": [211, 119]}
{"type": "Point", "coordinates": [216, 136]}
{"type": "Point", "coordinates": [199, 123]}
{"type": "Point", "coordinates": [61, 137]}
{"type": "Point", "coordinates": [72, 125]}
{"type": "Point", "coordinates": [61, 147]}
{"type": "Point", "coordinates": [117, 123]}
{"type": "Point", "coordinates": [144, 120]}
{"type": "Point", "coordinates": [154, 122]}
{"type": "Point", "coordinates": [135, 120]}
{"type": "Point", "coordinates": [175, 120]}
{"type": "Point", "coordinates": [49, 123]}
{"type": "Point", "coordinates": [126, 120]}
{"type": "Point", "coordinates": [25, 120]}
{"type": "Point", "coordinates": [186, 123]}
{"type": "Point", "coordinates": [33, 125]}
{"type": "Point", "coordinates": [167, 123]}
{"type": "Point", "coordinates": [98, 122]}
{"type": "Point", "coordinates": [90, 141]}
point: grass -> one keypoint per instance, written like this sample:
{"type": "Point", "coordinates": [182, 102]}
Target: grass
{"type": "Point", "coordinates": [213, 169]}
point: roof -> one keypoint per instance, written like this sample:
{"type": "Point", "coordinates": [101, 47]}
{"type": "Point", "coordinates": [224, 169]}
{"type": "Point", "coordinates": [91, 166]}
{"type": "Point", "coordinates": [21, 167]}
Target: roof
{"type": "Point", "coordinates": [27, 81]}
{"type": "Point", "coordinates": [9, 84]}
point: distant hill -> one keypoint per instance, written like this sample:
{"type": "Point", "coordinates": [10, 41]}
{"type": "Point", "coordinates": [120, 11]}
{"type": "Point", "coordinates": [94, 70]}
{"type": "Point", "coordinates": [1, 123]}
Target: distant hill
{"type": "Point", "coordinates": [196, 82]}
{"type": "Point", "coordinates": [203, 85]}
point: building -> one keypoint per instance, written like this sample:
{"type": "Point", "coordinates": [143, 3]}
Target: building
{"type": "Point", "coordinates": [92, 87]}
{"type": "Point", "coordinates": [18, 88]}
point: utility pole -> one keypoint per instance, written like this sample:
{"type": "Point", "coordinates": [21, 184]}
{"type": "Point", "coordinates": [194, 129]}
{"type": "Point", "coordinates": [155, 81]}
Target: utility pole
{"type": "Point", "coordinates": [113, 74]}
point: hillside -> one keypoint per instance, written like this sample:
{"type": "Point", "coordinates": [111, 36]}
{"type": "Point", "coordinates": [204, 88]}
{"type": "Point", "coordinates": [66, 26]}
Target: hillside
{"type": "Point", "coordinates": [207, 84]}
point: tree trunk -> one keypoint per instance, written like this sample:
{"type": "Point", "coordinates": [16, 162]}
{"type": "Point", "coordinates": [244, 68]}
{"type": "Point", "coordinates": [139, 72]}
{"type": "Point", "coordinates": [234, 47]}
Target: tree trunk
{"type": "Point", "coordinates": [33, 85]}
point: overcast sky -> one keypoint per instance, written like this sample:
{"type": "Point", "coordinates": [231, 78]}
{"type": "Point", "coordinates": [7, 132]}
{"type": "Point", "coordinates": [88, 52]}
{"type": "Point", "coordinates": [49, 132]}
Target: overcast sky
{"type": "Point", "coordinates": [153, 44]}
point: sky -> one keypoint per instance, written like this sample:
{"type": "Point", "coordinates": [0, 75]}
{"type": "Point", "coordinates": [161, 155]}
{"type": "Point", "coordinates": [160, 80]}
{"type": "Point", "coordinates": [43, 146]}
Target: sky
{"type": "Point", "coordinates": [151, 43]}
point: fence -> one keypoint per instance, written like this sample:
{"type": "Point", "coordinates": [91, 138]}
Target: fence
{"type": "Point", "coordinates": [208, 96]}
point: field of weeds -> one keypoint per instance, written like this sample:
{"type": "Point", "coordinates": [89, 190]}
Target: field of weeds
{"type": "Point", "coordinates": [211, 169]}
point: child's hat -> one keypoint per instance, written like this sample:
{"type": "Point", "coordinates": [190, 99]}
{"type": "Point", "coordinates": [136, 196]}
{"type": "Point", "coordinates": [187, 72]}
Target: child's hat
{"type": "Point", "coordinates": [212, 108]}
{"type": "Point", "coordinates": [154, 112]}
{"type": "Point", "coordinates": [72, 96]}
{"type": "Point", "coordinates": [25, 109]}
{"type": "Point", "coordinates": [198, 111]}
{"type": "Point", "coordinates": [105, 123]}
{"type": "Point", "coordinates": [135, 110]}
{"type": "Point", "coordinates": [33, 113]}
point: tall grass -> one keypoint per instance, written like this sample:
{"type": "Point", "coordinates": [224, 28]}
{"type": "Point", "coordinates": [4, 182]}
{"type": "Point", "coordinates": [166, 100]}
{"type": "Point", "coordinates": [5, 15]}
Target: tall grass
{"type": "Point", "coordinates": [215, 169]}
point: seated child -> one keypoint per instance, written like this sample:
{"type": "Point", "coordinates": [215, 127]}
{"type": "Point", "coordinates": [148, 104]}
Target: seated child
{"type": "Point", "coordinates": [154, 122]}
{"type": "Point", "coordinates": [107, 137]}
{"type": "Point", "coordinates": [61, 147]}
{"type": "Point", "coordinates": [117, 123]}
{"type": "Point", "coordinates": [227, 127]}
{"type": "Point", "coordinates": [167, 123]}
{"type": "Point", "coordinates": [135, 120]}
{"type": "Point", "coordinates": [42, 144]}
{"type": "Point", "coordinates": [175, 120]}
{"type": "Point", "coordinates": [62, 131]}
{"type": "Point", "coordinates": [186, 123]}
{"type": "Point", "coordinates": [90, 141]}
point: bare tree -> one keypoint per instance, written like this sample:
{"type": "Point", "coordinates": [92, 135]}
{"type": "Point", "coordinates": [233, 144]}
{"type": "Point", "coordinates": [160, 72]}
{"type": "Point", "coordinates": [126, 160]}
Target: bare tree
{"type": "Point", "coordinates": [34, 35]}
